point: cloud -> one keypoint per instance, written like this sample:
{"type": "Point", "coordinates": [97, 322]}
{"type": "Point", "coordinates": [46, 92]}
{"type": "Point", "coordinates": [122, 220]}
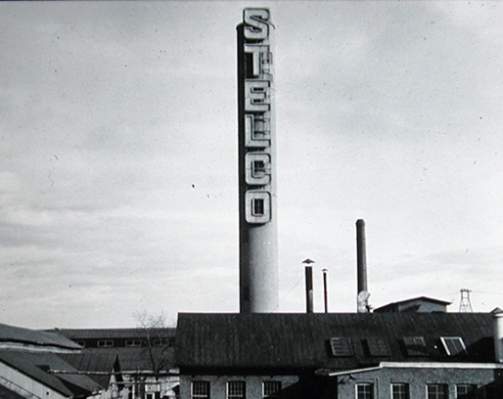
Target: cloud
{"type": "Point", "coordinates": [118, 154]}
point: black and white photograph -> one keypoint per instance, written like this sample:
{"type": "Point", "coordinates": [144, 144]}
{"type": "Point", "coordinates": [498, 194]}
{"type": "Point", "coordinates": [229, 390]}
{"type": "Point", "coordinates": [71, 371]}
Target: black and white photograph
{"type": "Point", "coordinates": [251, 200]}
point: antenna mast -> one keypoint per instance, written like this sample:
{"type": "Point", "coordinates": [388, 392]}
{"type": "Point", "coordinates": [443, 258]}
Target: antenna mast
{"type": "Point", "coordinates": [465, 304]}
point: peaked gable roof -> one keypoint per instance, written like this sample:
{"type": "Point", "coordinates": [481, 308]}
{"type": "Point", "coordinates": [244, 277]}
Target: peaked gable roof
{"type": "Point", "coordinates": [33, 337]}
{"type": "Point", "coordinates": [289, 340]}
{"type": "Point", "coordinates": [424, 299]}
{"type": "Point", "coordinates": [114, 333]}
{"type": "Point", "coordinates": [89, 361]}
{"type": "Point", "coordinates": [37, 366]}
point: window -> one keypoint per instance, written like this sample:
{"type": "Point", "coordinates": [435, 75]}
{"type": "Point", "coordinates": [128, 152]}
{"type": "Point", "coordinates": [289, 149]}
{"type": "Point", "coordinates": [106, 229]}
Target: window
{"type": "Point", "coordinates": [364, 391]}
{"type": "Point", "coordinates": [105, 343]}
{"type": "Point", "coordinates": [437, 391]}
{"type": "Point", "coordinates": [400, 391]}
{"type": "Point", "coordinates": [415, 346]}
{"type": "Point", "coordinates": [200, 390]}
{"type": "Point", "coordinates": [466, 391]}
{"type": "Point", "coordinates": [271, 389]}
{"type": "Point", "coordinates": [341, 346]}
{"type": "Point", "coordinates": [236, 390]}
{"type": "Point", "coordinates": [453, 345]}
{"type": "Point", "coordinates": [133, 342]}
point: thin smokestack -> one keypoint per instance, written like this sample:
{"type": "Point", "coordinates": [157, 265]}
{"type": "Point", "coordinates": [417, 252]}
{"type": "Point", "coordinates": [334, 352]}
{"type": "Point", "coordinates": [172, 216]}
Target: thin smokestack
{"type": "Point", "coordinates": [361, 256]}
{"type": "Point", "coordinates": [325, 289]}
{"type": "Point", "coordinates": [309, 289]}
{"type": "Point", "coordinates": [309, 285]}
{"type": "Point", "coordinates": [361, 260]}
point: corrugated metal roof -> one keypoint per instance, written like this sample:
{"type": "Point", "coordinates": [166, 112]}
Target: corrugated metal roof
{"type": "Point", "coordinates": [302, 340]}
{"type": "Point", "coordinates": [130, 359]}
{"type": "Point", "coordinates": [138, 358]}
{"type": "Point", "coordinates": [34, 364]}
{"type": "Point", "coordinates": [111, 333]}
{"type": "Point", "coordinates": [102, 361]}
{"type": "Point", "coordinates": [43, 338]}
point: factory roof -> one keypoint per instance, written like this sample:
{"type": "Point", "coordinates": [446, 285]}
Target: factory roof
{"type": "Point", "coordinates": [424, 299]}
{"type": "Point", "coordinates": [332, 340]}
{"type": "Point", "coordinates": [40, 367]}
{"type": "Point", "coordinates": [131, 359]}
{"type": "Point", "coordinates": [128, 359]}
{"type": "Point", "coordinates": [89, 361]}
{"type": "Point", "coordinates": [99, 333]}
{"type": "Point", "coordinates": [34, 337]}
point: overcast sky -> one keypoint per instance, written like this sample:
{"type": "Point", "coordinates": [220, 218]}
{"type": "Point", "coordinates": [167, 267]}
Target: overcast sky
{"type": "Point", "coordinates": [118, 155]}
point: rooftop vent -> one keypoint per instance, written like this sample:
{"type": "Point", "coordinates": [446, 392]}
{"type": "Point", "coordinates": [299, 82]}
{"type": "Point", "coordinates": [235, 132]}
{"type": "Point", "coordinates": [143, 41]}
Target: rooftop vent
{"type": "Point", "coordinates": [377, 347]}
{"type": "Point", "coordinates": [341, 346]}
{"type": "Point", "coordinates": [453, 345]}
{"type": "Point", "coordinates": [415, 346]}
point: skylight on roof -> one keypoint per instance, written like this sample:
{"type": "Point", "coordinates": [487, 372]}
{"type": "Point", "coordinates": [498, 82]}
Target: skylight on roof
{"type": "Point", "coordinates": [453, 345]}
{"type": "Point", "coordinates": [415, 346]}
{"type": "Point", "coordinates": [377, 347]}
{"type": "Point", "coordinates": [341, 346]}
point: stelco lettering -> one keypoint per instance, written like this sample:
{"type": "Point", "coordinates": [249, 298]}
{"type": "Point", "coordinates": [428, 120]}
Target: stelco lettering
{"type": "Point", "coordinates": [257, 117]}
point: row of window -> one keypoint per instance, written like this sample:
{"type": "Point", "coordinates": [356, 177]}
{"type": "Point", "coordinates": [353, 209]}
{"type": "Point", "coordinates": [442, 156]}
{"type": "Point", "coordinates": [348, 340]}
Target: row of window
{"type": "Point", "coordinates": [433, 391]}
{"type": "Point", "coordinates": [236, 389]}
{"type": "Point", "coordinates": [109, 343]}
{"type": "Point", "coordinates": [414, 346]}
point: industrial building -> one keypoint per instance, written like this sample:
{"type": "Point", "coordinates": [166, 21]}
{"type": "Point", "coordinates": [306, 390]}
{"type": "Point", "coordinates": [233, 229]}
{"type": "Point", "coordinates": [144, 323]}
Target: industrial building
{"type": "Point", "coordinates": [82, 363]}
{"type": "Point", "coordinates": [32, 365]}
{"type": "Point", "coordinates": [340, 355]}
{"type": "Point", "coordinates": [145, 357]}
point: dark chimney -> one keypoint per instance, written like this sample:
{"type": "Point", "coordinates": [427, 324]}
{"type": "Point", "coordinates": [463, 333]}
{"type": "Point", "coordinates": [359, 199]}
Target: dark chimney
{"type": "Point", "coordinates": [361, 256]}
{"type": "Point", "coordinates": [325, 289]}
{"type": "Point", "coordinates": [309, 285]}
{"type": "Point", "coordinates": [361, 260]}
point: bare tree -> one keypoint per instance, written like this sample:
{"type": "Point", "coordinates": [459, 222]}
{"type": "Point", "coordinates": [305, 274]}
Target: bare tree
{"type": "Point", "coordinates": [156, 346]}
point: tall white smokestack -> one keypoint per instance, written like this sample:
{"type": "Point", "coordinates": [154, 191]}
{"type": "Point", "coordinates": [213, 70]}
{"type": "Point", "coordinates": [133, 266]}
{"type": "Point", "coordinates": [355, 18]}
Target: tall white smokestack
{"type": "Point", "coordinates": [258, 265]}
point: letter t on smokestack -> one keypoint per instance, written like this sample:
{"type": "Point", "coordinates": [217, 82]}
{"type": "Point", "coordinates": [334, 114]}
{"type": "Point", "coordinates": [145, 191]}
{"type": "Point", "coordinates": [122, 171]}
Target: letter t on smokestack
{"type": "Point", "coordinates": [361, 261]}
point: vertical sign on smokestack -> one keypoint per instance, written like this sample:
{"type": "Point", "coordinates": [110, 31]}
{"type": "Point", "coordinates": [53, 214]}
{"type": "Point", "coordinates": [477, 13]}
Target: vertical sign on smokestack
{"type": "Point", "coordinates": [361, 260]}
{"type": "Point", "coordinates": [258, 269]}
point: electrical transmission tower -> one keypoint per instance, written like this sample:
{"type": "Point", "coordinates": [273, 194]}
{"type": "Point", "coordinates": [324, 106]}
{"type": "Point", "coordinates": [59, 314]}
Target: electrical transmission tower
{"type": "Point", "coordinates": [465, 304]}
